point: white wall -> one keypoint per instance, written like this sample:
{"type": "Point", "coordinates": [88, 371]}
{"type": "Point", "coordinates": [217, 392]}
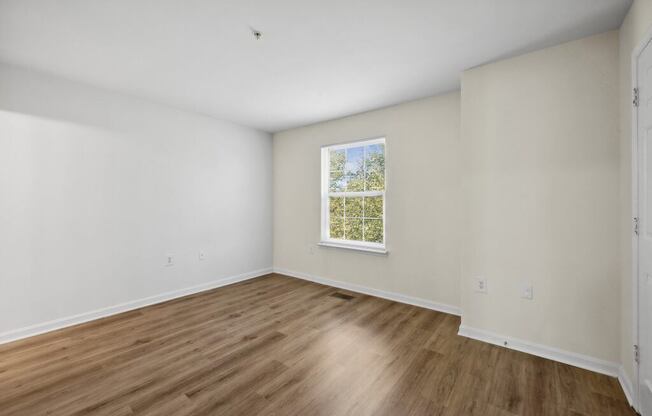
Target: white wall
{"type": "Point", "coordinates": [423, 222]}
{"type": "Point", "coordinates": [96, 188]}
{"type": "Point", "coordinates": [636, 24]}
{"type": "Point", "coordinates": [540, 186]}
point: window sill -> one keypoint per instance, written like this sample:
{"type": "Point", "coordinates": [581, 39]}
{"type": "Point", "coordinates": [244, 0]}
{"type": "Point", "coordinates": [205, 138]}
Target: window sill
{"type": "Point", "coordinates": [374, 250]}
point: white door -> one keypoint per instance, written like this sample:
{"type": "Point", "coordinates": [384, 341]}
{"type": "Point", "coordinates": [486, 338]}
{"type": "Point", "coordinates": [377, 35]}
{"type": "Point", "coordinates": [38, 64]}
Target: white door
{"type": "Point", "coordinates": [644, 150]}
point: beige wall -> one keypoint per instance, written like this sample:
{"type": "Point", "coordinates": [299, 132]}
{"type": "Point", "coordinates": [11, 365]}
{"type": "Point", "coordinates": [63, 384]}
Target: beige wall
{"type": "Point", "coordinates": [423, 219]}
{"type": "Point", "coordinates": [540, 186]}
{"type": "Point", "coordinates": [637, 22]}
{"type": "Point", "coordinates": [529, 195]}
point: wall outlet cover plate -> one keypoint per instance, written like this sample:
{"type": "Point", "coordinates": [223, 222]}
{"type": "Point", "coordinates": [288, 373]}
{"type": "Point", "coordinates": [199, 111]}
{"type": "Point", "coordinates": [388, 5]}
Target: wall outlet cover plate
{"type": "Point", "coordinates": [480, 284]}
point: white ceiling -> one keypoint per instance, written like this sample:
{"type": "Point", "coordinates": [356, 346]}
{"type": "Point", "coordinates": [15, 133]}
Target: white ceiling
{"type": "Point", "coordinates": [317, 60]}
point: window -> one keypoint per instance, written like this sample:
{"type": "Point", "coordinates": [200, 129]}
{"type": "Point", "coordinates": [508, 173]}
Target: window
{"type": "Point", "coordinates": [353, 195]}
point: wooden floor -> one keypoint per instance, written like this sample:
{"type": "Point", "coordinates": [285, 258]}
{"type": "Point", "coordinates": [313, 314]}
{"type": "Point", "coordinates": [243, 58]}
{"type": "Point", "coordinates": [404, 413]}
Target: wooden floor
{"type": "Point", "coordinates": [280, 346]}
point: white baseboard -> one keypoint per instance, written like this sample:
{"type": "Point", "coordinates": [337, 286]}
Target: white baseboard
{"type": "Point", "coordinates": [44, 327]}
{"type": "Point", "coordinates": [551, 353]}
{"type": "Point", "coordinates": [578, 360]}
{"type": "Point", "coordinates": [397, 297]}
{"type": "Point", "coordinates": [626, 385]}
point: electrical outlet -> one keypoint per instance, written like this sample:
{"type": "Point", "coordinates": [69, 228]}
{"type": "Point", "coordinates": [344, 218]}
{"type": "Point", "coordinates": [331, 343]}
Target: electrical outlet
{"type": "Point", "coordinates": [527, 292]}
{"type": "Point", "coordinates": [480, 284]}
{"type": "Point", "coordinates": [169, 260]}
{"type": "Point", "coordinates": [202, 255]}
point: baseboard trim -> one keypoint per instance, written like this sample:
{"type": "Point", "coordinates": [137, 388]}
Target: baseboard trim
{"type": "Point", "coordinates": [626, 385]}
{"type": "Point", "coordinates": [53, 325]}
{"type": "Point", "coordinates": [396, 297]}
{"type": "Point", "coordinates": [578, 360]}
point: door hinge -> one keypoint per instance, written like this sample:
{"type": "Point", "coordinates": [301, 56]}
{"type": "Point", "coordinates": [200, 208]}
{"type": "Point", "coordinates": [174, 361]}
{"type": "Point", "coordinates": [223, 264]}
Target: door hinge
{"type": "Point", "coordinates": [635, 219]}
{"type": "Point", "coordinates": [635, 101]}
{"type": "Point", "coordinates": [637, 354]}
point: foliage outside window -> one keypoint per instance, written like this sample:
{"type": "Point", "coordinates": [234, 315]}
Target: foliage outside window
{"type": "Point", "coordinates": [353, 193]}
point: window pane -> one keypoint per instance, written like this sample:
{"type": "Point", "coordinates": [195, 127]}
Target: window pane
{"type": "Point", "coordinates": [337, 182]}
{"type": "Point", "coordinates": [353, 207]}
{"type": "Point", "coordinates": [338, 158]}
{"type": "Point", "coordinates": [373, 207]}
{"type": "Point", "coordinates": [352, 171]}
{"type": "Point", "coordinates": [354, 161]}
{"type": "Point", "coordinates": [355, 183]}
{"type": "Point", "coordinates": [373, 231]}
{"type": "Point", "coordinates": [375, 163]}
{"type": "Point", "coordinates": [336, 207]}
{"type": "Point", "coordinates": [353, 229]}
{"type": "Point", "coordinates": [337, 227]}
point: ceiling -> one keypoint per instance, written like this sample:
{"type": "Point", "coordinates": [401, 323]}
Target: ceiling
{"type": "Point", "coordinates": [317, 60]}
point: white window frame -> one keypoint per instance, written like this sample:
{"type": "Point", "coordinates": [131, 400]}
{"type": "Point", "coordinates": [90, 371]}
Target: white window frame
{"type": "Point", "coordinates": [326, 240]}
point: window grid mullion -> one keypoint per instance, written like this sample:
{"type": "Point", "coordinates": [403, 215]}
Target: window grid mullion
{"type": "Point", "coordinates": [365, 193]}
{"type": "Point", "coordinates": [355, 194]}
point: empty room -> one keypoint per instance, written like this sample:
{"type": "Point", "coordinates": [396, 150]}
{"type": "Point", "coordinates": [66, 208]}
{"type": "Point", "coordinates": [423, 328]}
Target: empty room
{"type": "Point", "coordinates": [342, 207]}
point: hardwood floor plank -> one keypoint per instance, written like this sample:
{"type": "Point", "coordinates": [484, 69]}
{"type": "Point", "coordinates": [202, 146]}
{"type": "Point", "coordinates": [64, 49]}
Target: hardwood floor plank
{"type": "Point", "coordinates": [276, 345]}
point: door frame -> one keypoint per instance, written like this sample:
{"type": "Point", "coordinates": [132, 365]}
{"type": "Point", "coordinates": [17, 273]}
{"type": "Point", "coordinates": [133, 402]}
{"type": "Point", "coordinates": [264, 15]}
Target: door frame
{"type": "Point", "coordinates": [636, 53]}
